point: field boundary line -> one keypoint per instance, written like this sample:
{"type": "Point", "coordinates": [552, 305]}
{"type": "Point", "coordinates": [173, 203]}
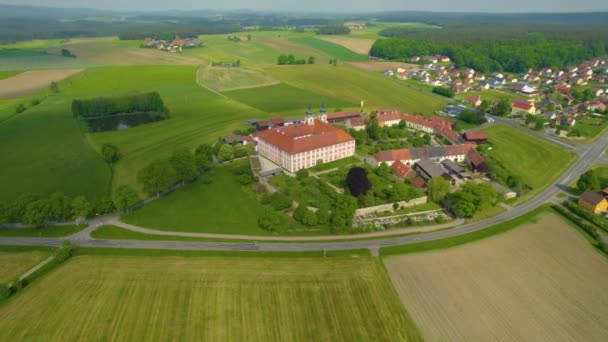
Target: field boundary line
{"type": "Point", "coordinates": [198, 71]}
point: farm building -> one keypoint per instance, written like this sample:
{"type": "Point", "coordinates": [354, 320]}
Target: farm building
{"type": "Point", "coordinates": [475, 137]}
{"type": "Point", "coordinates": [593, 201]}
{"type": "Point", "coordinates": [303, 145]}
{"type": "Point", "coordinates": [339, 117]}
{"type": "Point", "coordinates": [409, 157]}
{"type": "Point", "coordinates": [476, 162]}
{"type": "Point", "coordinates": [428, 169]}
{"type": "Point", "coordinates": [403, 171]}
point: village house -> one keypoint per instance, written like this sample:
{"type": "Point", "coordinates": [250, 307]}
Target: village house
{"type": "Point", "coordinates": [474, 101]}
{"type": "Point", "coordinates": [593, 201]}
{"type": "Point", "coordinates": [475, 162]}
{"type": "Point", "coordinates": [525, 107]}
{"type": "Point", "coordinates": [403, 171]}
{"type": "Point", "coordinates": [304, 145]}
{"type": "Point", "coordinates": [409, 157]}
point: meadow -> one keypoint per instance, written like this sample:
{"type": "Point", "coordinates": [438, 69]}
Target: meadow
{"type": "Point", "coordinates": [14, 261]}
{"type": "Point", "coordinates": [536, 161]}
{"type": "Point", "coordinates": [54, 231]}
{"type": "Point", "coordinates": [225, 79]}
{"type": "Point", "coordinates": [210, 298]}
{"type": "Point", "coordinates": [215, 203]}
{"type": "Point", "coordinates": [22, 59]}
{"type": "Point", "coordinates": [42, 151]}
{"type": "Point", "coordinates": [8, 74]}
{"type": "Point", "coordinates": [538, 282]}
{"type": "Point", "coordinates": [331, 49]}
{"type": "Point", "coordinates": [28, 82]}
{"type": "Point", "coordinates": [283, 97]}
{"type": "Point", "coordinates": [351, 84]}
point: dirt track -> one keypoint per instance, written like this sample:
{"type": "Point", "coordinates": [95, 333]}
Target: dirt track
{"type": "Point", "coordinates": [540, 282]}
{"type": "Point", "coordinates": [30, 81]}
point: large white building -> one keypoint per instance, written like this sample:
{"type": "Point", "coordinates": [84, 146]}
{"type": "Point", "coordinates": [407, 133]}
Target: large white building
{"type": "Point", "coordinates": [304, 145]}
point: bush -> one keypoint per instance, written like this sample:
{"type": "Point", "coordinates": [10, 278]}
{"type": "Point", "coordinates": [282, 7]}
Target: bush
{"type": "Point", "coordinates": [306, 217]}
{"type": "Point", "coordinates": [270, 221]}
{"type": "Point", "coordinates": [65, 252]}
{"type": "Point", "coordinates": [443, 91]}
{"type": "Point", "coordinates": [245, 179]}
{"type": "Point", "coordinates": [278, 201]}
{"type": "Point", "coordinates": [591, 217]}
{"type": "Point", "coordinates": [20, 108]}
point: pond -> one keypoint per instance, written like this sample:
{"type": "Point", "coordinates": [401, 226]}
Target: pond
{"type": "Point", "coordinates": [122, 122]}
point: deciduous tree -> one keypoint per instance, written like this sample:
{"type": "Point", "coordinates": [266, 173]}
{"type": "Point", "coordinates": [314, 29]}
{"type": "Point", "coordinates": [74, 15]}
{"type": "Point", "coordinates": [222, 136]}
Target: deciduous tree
{"type": "Point", "coordinates": [157, 177]}
{"type": "Point", "coordinates": [438, 188]}
{"type": "Point", "coordinates": [125, 197]}
{"type": "Point", "coordinates": [183, 162]}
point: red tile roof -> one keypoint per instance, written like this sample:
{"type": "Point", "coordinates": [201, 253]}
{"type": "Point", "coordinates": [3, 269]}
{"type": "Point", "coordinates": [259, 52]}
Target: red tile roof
{"type": "Point", "coordinates": [418, 183]}
{"type": "Point", "coordinates": [303, 137]}
{"type": "Point", "coordinates": [474, 157]}
{"type": "Point", "coordinates": [522, 104]}
{"type": "Point", "coordinates": [476, 136]}
{"type": "Point", "coordinates": [422, 152]}
{"type": "Point", "coordinates": [343, 115]}
{"type": "Point", "coordinates": [473, 99]}
{"type": "Point", "coordinates": [403, 170]}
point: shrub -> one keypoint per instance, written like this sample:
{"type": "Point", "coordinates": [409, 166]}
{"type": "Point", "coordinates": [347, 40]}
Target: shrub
{"type": "Point", "coordinates": [278, 201]}
{"type": "Point", "coordinates": [269, 221]}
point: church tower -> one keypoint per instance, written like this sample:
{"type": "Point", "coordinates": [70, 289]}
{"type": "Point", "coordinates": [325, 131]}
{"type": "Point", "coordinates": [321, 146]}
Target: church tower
{"type": "Point", "coordinates": [309, 119]}
{"type": "Point", "coordinates": [323, 113]}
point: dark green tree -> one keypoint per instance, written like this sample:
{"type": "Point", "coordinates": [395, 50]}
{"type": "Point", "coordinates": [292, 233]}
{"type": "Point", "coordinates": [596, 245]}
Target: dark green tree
{"type": "Point", "coordinates": [80, 207]}
{"type": "Point", "coordinates": [109, 153]}
{"type": "Point", "coordinates": [157, 177]}
{"type": "Point", "coordinates": [125, 197]}
{"type": "Point", "coordinates": [226, 152]}
{"type": "Point", "coordinates": [203, 156]}
{"type": "Point", "coordinates": [184, 164]}
{"type": "Point", "coordinates": [438, 188]}
{"type": "Point", "coordinates": [589, 181]}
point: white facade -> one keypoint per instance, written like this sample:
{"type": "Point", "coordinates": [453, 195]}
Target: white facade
{"type": "Point", "coordinates": [307, 159]}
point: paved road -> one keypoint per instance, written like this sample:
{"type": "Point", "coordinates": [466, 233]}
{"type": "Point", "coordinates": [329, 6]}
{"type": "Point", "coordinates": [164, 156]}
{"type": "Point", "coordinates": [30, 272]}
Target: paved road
{"type": "Point", "coordinates": [587, 157]}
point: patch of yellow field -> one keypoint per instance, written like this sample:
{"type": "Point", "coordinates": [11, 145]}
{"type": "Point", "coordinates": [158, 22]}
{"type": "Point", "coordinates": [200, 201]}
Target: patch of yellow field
{"type": "Point", "coordinates": [28, 82]}
{"type": "Point", "coordinates": [14, 264]}
{"type": "Point", "coordinates": [539, 282]}
{"type": "Point", "coordinates": [358, 45]}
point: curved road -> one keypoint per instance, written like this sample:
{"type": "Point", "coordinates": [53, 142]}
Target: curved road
{"type": "Point", "coordinates": [588, 155]}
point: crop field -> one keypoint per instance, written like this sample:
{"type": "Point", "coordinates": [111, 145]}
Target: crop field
{"type": "Point", "coordinates": [381, 66]}
{"type": "Point", "coordinates": [43, 151]}
{"type": "Point", "coordinates": [209, 299]}
{"type": "Point", "coordinates": [288, 46]}
{"type": "Point", "coordinates": [283, 97]}
{"type": "Point", "coordinates": [207, 206]}
{"type": "Point", "coordinates": [331, 49]}
{"type": "Point", "coordinates": [358, 45]}
{"type": "Point", "coordinates": [250, 53]}
{"type": "Point", "coordinates": [8, 74]}
{"type": "Point", "coordinates": [538, 282]}
{"type": "Point", "coordinates": [372, 32]}
{"type": "Point", "coordinates": [21, 59]}
{"type": "Point", "coordinates": [28, 82]}
{"type": "Point", "coordinates": [536, 161]}
{"type": "Point", "coordinates": [14, 262]}
{"type": "Point", "coordinates": [353, 85]}
{"type": "Point", "coordinates": [225, 79]}
{"type": "Point", "coordinates": [111, 51]}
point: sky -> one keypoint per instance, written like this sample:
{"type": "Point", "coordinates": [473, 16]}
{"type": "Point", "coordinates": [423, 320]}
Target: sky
{"type": "Point", "coordinates": [499, 6]}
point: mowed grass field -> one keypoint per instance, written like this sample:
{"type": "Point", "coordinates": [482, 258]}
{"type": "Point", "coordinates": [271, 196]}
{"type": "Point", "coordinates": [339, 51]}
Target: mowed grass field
{"type": "Point", "coordinates": [332, 49]}
{"type": "Point", "coordinates": [15, 261]}
{"type": "Point", "coordinates": [31, 59]}
{"type": "Point", "coordinates": [539, 282]}
{"type": "Point", "coordinates": [42, 151]}
{"type": "Point", "coordinates": [219, 206]}
{"type": "Point", "coordinates": [536, 161]}
{"type": "Point", "coordinates": [283, 97]}
{"type": "Point", "coordinates": [197, 114]}
{"type": "Point", "coordinates": [351, 84]}
{"type": "Point", "coordinates": [130, 298]}
{"type": "Point", "coordinates": [225, 79]}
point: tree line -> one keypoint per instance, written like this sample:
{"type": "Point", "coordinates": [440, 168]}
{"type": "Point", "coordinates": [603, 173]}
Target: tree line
{"type": "Point", "coordinates": [514, 55]}
{"type": "Point", "coordinates": [289, 59]}
{"type": "Point", "coordinates": [133, 103]}
{"type": "Point", "coordinates": [333, 29]}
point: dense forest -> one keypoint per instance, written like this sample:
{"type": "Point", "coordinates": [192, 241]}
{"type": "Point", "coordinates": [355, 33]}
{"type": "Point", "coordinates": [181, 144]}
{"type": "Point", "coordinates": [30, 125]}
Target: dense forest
{"type": "Point", "coordinates": [106, 106]}
{"type": "Point", "coordinates": [514, 55]}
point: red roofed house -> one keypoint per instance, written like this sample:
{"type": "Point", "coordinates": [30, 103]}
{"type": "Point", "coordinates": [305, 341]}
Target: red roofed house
{"type": "Point", "coordinates": [524, 107]}
{"type": "Point", "coordinates": [418, 183]}
{"type": "Point", "coordinates": [474, 100]}
{"type": "Point", "coordinates": [403, 170]}
{"type": "Point", "coordinates": [303, 145]}
{"type": "Point", "coordinates": [593, 105]}
{"type": "Point", "coordinates": [476, 162]}
{"type": "Point", "coordinates": [409, 157]}
{"type": "Point", "coordinates": [476, 137]}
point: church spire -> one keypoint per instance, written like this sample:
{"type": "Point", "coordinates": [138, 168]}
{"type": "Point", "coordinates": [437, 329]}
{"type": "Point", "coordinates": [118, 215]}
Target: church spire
{"type": "Point", "coordinates": [309, 119]}
{"type": "Point", "coordinates": [323, 113]}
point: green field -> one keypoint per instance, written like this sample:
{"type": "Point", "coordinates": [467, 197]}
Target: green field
{"type": "Point", "coordinates": [43, 151]}
{"type": "Point", "coordinates": [17, 59]}
{"type": "Point", "coordinates": [536, 161]}
{"type": "Point", "coordinates": [210, 299]}
{"type": "Point", "coordinates": [372, 32]}
{"type": "Point", "coordinates": [7, 74]}
{"type": "Point", "coordinates": [353, 85]}
{"type": "Point", "coordinates": [14, 261]}
{"type": "Point", "coordinates": [55, 231]}
{"type": "Point", "coordinates": [333, 50]}
{"type": "Point", "coordinates": [221, 206]}
{"type": "Point", "coordinates": [225, 79]}
{"type": "Point", "coordinates": [283, 97]}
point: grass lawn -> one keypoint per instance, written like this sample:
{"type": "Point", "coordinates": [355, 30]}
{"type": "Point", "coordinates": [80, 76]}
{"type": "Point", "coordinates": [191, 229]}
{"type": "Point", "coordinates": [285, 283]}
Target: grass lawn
{"type": "Point", "coordinates": [212, 298]}
{"type": "Point", "coordinates": [602, 173]}
{"type": "Point", "coordinates": [536, 161]}
{"type": "Point", "coordinates": [590, 128]}
{"type": "Point", "coordinates": [493, 95]}
{"type": "Point", "coordinates": [282, 97]}
{"type": "Point", "coordinates": [222, 206]}
{"type": "Point", "coordinates": [332, 49]}
{"type": "Point", "coordinates": [55, 231]}
{"type": "Point", "coordinates": [8, 74]}
{"type": "Point", "coordinates": [353, 85]}
{"type": "Point", "coordinates": [14, 261]}
{"type": "Point", "coordinates": [224, 79]}
{"type": "Point", "coordinates": [21, 59]}
{"type": "Point", "coordinates": [42, 151]}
